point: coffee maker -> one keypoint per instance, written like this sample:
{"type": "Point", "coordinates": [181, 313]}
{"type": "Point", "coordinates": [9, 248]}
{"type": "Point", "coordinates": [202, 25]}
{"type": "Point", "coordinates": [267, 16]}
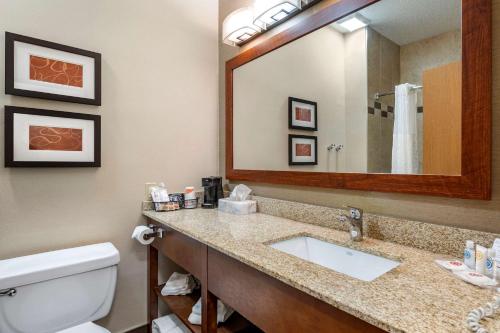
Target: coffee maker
{"type": "Point", "coordinates": [212, 191]}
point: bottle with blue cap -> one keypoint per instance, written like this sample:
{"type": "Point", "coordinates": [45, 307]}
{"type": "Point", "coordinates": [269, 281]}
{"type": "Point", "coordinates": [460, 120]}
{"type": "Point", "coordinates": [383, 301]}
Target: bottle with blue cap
{"type": "Point", "coordinates": [470, 255]}
{"type": "Point", "coordinates": [490, 264]}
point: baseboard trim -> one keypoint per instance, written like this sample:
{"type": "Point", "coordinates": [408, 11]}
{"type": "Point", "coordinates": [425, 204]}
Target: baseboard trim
{"type": "Point", "coordinates": [140, 329]}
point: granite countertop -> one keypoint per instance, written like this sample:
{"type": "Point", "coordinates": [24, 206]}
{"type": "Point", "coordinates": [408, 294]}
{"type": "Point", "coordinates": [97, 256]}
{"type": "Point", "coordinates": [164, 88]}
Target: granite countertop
{"type": "Point", "coordinates": [417, 296]}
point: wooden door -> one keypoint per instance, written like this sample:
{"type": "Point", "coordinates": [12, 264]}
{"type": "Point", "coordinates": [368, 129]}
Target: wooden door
{"type": "Point", "coordinates": [442, 142]}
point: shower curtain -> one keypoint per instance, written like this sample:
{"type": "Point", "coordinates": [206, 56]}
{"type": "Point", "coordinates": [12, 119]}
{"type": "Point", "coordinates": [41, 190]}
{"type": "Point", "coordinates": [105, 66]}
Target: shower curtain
{"type": "Point", "coordinates": [404, 143]}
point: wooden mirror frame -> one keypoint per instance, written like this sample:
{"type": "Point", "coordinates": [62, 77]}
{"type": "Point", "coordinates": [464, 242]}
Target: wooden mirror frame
{"type": "Point", "coordinates": [475, 181]}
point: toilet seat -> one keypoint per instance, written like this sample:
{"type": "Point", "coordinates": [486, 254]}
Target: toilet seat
{"type": "Point", "coordinates": [85, 328]}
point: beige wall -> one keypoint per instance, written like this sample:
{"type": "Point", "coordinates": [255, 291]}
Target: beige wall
{"type": "Point", "coordinates": [356, 84]}
{"type": "Point", "coordinates": [479, 215]}
{"type": "Point", "coordinates": [312, 68]}
{"type": "Point", "coordinates": [157, 56]}
{"type": "Point", "coordinates": [429, 53]}
{"type": "Point", "coordinates": [327, 67]}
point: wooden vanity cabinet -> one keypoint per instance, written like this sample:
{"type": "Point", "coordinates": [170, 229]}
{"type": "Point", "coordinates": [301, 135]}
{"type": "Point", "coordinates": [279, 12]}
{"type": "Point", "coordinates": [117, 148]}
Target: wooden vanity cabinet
{"type": "Point", "coordinates": [183, 250]}
{"type": "Point", "coordinates": [273, 305]}
{"type": "Point", "coordinates": [269, 304]}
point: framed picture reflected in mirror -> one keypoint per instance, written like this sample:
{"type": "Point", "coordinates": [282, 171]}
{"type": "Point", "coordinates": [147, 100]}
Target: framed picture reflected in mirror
{"type": "Point", "coordinates": [302, 150]}
{"type": "Point", "coordinates": [302, 114]}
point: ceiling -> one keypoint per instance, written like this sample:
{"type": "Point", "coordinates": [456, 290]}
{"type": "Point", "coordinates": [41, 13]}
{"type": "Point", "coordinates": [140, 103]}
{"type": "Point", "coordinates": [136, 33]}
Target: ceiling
{"type": "Point", "coordinates": [407, 21]}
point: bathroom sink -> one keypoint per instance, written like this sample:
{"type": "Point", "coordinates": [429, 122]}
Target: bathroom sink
{"type": "Point", "coordinates": [357, 264]}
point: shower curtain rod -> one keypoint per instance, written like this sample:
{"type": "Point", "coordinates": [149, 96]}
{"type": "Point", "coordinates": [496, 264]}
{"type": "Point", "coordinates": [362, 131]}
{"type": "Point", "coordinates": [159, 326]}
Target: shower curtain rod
{"type": "Point", "coordinates": [379, 94]}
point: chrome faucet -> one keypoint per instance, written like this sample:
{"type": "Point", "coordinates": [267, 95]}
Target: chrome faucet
{"type": "Point", "coordinates": [355, 219]}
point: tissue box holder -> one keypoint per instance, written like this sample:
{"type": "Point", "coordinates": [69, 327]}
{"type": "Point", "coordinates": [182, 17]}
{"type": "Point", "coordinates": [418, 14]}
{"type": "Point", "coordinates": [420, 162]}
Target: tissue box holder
{"type": "Point", "coordinates": [238, 207]}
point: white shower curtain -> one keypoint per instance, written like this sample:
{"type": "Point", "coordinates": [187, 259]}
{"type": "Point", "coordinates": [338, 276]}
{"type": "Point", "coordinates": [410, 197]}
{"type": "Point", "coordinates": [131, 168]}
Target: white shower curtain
{"type": "Point", "coordinates": [404, 142]}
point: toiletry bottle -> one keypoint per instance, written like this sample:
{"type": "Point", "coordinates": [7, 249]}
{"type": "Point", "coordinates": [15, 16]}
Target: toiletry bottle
{"type": "Point", "coordinates": [481, 253]}
{"type": "Point", "coordinates": [490, 264]}
{"type": "Point", "coordinates": [470, 255]}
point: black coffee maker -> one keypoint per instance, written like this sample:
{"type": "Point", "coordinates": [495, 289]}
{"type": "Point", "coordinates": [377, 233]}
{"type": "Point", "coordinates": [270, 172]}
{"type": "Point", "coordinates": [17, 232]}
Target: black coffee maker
{"type": "Point", "coordinates": [212, 191]}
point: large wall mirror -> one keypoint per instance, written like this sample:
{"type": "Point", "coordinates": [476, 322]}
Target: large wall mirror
{"type": "Point", "coordinates": [389, 95]}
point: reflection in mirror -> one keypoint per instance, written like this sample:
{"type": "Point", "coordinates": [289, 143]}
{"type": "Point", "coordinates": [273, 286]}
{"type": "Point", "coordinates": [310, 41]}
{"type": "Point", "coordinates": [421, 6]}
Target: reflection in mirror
{"type": "Point", "coordinates": [376, 92]}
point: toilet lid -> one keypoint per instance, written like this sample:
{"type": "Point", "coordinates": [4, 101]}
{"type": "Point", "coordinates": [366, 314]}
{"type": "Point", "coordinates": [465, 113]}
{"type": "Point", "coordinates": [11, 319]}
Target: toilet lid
{"type": "Point", "coordinates": [85, 328]}
{"type": "Point", "coordinates": [46, 266]}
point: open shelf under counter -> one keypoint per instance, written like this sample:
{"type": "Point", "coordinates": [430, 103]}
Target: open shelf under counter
{"type": "Point", "coordinates": [181, 306]}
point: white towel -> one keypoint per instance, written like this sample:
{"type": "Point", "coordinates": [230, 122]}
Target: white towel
{"type": "Point", "coordinates": [178, 291]}
{"type": "Point", "coordinates": [169, 324]}
{"type": "Point", "coordinates": [197, 307]}
{"type": "Point", "coordinates": [179, 284]}
{"type": "Point", "coordinates": [223, 313]}
{"type": "Point", "coordinates": [194, 319]}
{"type": "Point", "coordinates": [177, 280]}
{"type": "Point", "coordinates": [179, 329]}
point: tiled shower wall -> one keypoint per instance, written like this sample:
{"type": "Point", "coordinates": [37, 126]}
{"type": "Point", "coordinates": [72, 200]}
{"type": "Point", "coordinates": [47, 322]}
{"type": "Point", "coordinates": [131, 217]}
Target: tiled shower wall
{"type": "Point", "coordinates": [385, 71]}
{"type": "Point", "coordinates": [383, 76]}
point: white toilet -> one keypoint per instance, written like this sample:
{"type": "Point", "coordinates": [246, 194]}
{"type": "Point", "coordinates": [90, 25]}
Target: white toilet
{"type": "Point", "coordinates": [60, 291]}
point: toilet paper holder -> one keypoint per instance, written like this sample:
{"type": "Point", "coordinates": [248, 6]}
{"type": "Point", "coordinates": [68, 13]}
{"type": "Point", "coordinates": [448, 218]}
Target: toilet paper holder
{"type": "Point", "coordinates": [157, 232]}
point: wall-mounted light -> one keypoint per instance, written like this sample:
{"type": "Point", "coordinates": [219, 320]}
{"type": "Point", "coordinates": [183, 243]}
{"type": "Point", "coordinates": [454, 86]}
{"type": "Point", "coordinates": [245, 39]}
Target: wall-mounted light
{"type": "Point", "coordinates": [238, 26]}
{"type": "Point", "coordinates": [269, 12]}
{"type": "Point", "coordinates": [244, 23]}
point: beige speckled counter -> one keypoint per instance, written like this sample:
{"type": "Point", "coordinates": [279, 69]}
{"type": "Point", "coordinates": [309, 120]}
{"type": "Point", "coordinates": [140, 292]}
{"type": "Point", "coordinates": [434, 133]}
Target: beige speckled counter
{"type": "Point", "coordinates": [417, 296]}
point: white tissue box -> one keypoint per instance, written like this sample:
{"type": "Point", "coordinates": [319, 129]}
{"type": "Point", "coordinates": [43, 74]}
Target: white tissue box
{"type": "Point", "coordinates": [244, 207]}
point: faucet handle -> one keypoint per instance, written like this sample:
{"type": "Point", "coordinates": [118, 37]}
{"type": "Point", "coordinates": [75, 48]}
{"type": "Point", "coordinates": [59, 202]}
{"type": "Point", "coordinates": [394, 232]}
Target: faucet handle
{"type": "Point", "coordinates": [356, 213]}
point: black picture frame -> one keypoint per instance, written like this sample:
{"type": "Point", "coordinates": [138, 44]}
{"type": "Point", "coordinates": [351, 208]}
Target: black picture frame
{"type": "Point", "coordinates": [11, 38]}
{"type": "Point", "coordinates": [290, 114]}
{"type": "Point", "coordinates": [290, 149]}
{"type": "Point", "coordinates": [9, 137]}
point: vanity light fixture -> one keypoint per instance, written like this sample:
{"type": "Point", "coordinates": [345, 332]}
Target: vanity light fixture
{"type": "Point", "coordinates": [238, 26]}
{"type": "Point", "coordinates": [269, 12]}
{"type": "Point", "coordinates": [354, 22]}
{"type": "Point", "coordinates": [241, 25]}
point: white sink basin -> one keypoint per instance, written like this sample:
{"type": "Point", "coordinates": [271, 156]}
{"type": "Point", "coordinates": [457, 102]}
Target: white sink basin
{"type": "Point", "coordinates": [357, 264]}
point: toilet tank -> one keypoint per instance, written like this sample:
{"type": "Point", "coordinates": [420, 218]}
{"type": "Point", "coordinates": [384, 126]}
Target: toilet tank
{"type": "Point", "coordinates": [59, 289]}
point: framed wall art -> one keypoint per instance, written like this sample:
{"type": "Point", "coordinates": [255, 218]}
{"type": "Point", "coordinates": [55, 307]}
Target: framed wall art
{"type": "Point", "coordinates": [42, 69]}
{"type": "Point", "coordinates": [302, 114]}
{"type": "Point", "coordinates": [302, 150]}
{"type": "Point", "coordinates": [43, 138]}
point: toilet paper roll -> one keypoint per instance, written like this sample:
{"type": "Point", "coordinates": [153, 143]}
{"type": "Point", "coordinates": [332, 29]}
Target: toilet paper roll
{"type": "Point", "coordinates": [140, 232]}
